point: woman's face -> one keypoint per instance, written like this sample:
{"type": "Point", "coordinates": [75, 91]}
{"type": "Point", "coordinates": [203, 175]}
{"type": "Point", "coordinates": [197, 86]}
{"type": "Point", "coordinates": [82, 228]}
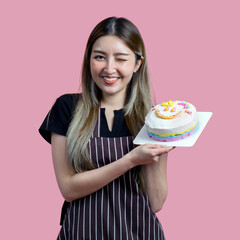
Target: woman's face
{"type": "Point", "coordinates": [112, 65]}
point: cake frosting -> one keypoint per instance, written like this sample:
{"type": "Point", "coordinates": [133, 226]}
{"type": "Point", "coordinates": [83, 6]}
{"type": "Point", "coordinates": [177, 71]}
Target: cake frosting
{"type": "Point", "coordinates": [171, 121]}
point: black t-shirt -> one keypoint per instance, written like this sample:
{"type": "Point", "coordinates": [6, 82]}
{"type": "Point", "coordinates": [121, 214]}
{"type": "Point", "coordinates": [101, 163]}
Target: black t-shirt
{"type": "Point", "coordinates": [61, 113]}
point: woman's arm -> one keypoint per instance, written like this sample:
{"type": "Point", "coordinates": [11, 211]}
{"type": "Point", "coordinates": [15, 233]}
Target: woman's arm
{"type": "Point", "coordinates": [156, 182]}
{"type": "Point", "coordinates": [76, 185]}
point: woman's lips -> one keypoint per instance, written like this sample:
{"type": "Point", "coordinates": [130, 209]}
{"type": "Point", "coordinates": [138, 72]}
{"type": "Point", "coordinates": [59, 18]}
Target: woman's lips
{"type": "Point", "coordinates": [110, 80]}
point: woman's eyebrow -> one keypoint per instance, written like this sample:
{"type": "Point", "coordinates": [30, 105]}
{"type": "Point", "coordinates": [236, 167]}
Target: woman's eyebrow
{"type": "Point", "coordinates": [124, 54]}
{"type": "Point", "coordinates": [115, 54]}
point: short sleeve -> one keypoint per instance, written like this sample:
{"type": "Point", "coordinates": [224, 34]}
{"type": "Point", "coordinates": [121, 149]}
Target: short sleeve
{"type": "Point", "coordinates": [59, 116]}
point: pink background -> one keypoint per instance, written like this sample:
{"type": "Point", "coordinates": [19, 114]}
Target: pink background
{"type": "Point", "coordinates": [194, 55]}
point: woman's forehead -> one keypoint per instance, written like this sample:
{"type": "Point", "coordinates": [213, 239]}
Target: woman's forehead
{"type": "Point", "coordinates": [111, 44]}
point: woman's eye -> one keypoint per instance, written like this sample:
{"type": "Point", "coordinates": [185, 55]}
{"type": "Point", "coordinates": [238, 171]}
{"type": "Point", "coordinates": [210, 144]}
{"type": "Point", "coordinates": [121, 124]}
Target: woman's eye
{"type": "Point", "coordinates": [121, 60]}
{"type": "Point", "coordinates": [99, 57]}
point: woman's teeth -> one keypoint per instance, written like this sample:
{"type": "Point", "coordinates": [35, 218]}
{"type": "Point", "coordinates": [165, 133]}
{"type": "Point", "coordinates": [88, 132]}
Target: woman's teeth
{"type": "Point", "coordinates": [110, 79]}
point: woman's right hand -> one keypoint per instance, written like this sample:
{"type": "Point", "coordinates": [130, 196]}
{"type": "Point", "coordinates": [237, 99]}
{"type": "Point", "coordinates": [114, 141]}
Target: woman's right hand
{"type": "Point", "coordinates": [147, 153]}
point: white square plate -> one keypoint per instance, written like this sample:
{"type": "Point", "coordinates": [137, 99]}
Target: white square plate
{"type": "Point", "coordinates": [203, 117]}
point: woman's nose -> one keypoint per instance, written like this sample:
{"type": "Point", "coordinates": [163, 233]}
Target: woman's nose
{"type": "Point", "coordinates": [110, 66]}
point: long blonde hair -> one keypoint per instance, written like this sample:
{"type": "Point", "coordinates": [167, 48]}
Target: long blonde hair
{"type": "Point", "coordinates": [138, 98]}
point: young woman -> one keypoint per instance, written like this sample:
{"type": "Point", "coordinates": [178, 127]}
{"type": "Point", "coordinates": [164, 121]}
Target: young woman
{"type": "Point", "coordinates": [111, 188]}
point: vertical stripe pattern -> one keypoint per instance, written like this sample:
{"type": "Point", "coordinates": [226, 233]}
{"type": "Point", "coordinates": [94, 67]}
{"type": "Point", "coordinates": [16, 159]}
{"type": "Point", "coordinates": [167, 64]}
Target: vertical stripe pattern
{"type": "Point", "coordinates": [118, 211]}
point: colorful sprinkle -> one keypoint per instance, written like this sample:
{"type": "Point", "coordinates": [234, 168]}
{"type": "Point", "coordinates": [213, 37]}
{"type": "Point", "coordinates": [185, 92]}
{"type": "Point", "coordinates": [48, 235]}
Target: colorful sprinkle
{"type": "Point", "coordinates": [184, 104]}
{"type": "Point", "coordinates": [187, 111]}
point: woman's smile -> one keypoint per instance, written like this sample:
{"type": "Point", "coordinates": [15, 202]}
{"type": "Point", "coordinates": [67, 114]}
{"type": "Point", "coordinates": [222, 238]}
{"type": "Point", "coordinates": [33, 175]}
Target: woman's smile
{"type": "Point", "coordinates": [110, 80]}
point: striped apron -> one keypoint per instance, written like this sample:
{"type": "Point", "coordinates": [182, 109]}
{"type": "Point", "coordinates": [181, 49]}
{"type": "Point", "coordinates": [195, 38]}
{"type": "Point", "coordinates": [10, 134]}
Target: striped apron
{"type": "Point", "coordinates": [120, 210]}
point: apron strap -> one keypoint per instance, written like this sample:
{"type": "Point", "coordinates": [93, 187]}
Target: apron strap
{"type": "Point", "coordinates": [96, 131]}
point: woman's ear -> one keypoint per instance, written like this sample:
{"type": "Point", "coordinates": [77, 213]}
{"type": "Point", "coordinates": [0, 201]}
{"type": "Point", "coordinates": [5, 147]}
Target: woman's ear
{"type": "Point", "coordinates": [138, 64]}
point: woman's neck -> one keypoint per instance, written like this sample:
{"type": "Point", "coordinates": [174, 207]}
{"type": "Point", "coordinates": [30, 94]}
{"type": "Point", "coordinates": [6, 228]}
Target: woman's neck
{"type": "Point", "coordinates": [114, 102]}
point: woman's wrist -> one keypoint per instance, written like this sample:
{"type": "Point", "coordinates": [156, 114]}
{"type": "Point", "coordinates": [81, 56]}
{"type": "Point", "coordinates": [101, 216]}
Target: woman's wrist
{"type": "Point", "coordinates": [129, 160]}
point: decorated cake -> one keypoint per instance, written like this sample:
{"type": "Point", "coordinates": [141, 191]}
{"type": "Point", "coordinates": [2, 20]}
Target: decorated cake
{"type": "Point", "coordinates": [171, 121]}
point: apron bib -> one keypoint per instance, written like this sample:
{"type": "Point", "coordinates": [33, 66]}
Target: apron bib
{"type": "Point", "coordinates": [120, 210]}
